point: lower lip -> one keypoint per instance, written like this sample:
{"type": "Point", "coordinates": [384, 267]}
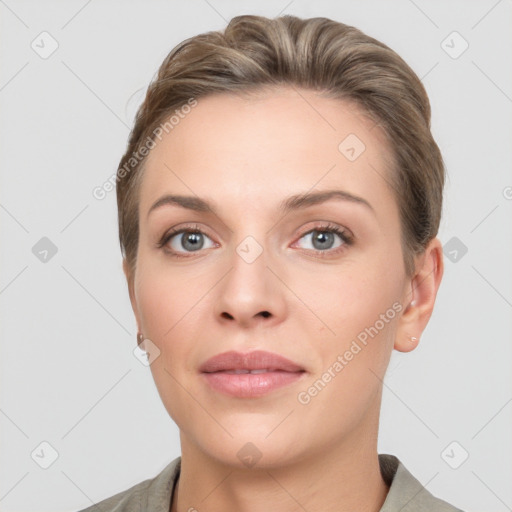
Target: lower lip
{"type": "Point", "coordinates": [247, 385]}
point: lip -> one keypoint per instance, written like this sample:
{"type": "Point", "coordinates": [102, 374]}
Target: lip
{"type": "Point", "coordinates": [219, 372]}
{"type": "Point", "coordinates": [256, 360]}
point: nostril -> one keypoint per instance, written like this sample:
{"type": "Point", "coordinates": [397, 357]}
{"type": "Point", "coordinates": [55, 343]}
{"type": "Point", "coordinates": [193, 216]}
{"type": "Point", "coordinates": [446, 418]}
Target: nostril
{"type": "Point", "coordinates": [265, 314]}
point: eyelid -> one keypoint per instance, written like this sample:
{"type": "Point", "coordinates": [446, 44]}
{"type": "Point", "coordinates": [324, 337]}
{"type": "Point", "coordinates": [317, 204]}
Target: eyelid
{"type": "Point", "coordinates": [180, 229]}
{"type": "Point", "coordinates": [343, 233]}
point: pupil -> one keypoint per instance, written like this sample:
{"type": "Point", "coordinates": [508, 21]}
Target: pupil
{"type": "Point", "coordinates": [195, 240]}
{"type": "Point", "coordinates": [324, 238]}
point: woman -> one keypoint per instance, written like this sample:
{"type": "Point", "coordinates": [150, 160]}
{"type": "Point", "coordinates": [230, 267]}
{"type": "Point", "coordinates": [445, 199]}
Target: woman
{"type": "Point", "coordinates": [279, 202]}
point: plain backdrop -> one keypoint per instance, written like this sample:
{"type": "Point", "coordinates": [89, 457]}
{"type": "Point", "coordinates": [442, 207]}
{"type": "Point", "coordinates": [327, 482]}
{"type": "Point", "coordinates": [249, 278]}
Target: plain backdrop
{"type": "Point", "coordinates": [72, 75]}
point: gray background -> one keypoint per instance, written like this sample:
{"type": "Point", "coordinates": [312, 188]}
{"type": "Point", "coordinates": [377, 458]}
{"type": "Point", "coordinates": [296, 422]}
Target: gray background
{"type": "Point", "coordinates": [68, 374]}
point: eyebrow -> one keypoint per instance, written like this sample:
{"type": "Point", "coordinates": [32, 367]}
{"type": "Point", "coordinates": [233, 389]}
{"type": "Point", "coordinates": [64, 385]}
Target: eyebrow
{"type": "Point", "coordinates": [292, 203]}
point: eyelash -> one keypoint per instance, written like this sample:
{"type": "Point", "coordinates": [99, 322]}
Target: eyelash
{"type": "Point", "coordinates": [324, 228]}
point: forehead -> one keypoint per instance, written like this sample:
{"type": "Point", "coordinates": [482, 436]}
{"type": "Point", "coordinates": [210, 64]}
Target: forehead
{"type": "Point", "coordinates": [262, 146]}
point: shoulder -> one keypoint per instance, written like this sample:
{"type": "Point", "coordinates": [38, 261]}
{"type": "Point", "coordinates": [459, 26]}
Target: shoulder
{"type": "Point", "coordinates": [406, 493]}
{"type": "Point", "coordinates": [153, 494]}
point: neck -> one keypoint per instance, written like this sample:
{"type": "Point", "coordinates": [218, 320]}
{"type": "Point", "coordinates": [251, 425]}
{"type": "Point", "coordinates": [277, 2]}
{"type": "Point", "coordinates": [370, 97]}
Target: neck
{"type": "Point", "coordinates": [340, 478]}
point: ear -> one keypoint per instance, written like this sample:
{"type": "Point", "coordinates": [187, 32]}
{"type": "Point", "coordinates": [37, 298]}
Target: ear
{"type": "Point", "coordinates": [128, 272]}
{"type": "Point", "coordinates": [420, 296]}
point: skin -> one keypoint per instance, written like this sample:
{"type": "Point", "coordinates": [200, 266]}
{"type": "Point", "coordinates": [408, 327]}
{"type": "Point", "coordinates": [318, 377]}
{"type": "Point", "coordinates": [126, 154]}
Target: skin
{"type": "Point", "coordinates": [245, 155]}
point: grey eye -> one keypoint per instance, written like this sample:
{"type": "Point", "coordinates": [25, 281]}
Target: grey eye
{"type": "Point", "coordinates": [189, 241]}
{"type": "Point", "coordinates": [322, 240]}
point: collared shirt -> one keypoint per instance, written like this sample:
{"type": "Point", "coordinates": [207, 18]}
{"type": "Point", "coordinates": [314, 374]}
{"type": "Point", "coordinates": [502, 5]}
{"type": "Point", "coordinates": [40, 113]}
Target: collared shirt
{"type": "Point", "coordinates": [406, 494]}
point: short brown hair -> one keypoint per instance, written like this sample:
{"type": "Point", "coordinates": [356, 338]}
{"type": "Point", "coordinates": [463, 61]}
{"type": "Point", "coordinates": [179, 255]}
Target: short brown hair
{"type": "Point", "coordinates": [320, 54]}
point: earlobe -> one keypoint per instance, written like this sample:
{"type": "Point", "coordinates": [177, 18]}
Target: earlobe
{"type": "Point", "coordinates": [420, 297]}
{"type": "Point", "coordinates": [407, 343]}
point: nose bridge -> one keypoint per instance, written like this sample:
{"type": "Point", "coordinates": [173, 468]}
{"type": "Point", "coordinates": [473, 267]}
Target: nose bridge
{"type": "Point", "coordinates": [249, 276]}
{"type": "Point", "coordinates": [250, 290]}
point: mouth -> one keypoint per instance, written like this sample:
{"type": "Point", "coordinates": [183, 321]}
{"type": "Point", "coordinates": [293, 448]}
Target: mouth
{"type": "Point", "coordinates": [253, 374]}
{"type": "Point", "coordinates": [242, 371]}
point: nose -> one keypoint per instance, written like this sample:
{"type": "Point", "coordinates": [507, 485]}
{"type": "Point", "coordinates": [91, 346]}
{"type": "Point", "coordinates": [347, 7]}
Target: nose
{"type": "Point", "coordinates": [251, 293]}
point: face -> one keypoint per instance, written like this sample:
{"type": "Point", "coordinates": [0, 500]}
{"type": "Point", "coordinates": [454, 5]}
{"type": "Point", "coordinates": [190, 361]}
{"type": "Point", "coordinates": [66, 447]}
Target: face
{"type": "Point", "coordinates": [321, 283]}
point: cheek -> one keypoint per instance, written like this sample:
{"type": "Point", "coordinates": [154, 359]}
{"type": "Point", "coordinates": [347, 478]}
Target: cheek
{"type": "Point", "coordinates": [168, 308]}
{"type": "Point", "coordinates": [356, 310]}
{"type": "Point", "coordinates": [163, 296]}
{"type": "Point", "coordinates": [175, 305]}
{"type": "Point", "coordinates": [347, 299]}
{"type": "Point", "coordinates": [360, 311]}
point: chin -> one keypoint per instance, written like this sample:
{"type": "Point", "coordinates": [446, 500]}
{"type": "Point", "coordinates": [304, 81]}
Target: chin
{"type": "Point", "coordinates": [253, 453]}
{"type": "Point", "coordinates": [248, 440]}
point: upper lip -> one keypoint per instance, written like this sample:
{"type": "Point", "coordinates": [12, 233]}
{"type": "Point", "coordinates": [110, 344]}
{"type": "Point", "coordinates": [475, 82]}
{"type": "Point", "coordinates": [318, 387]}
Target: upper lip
{"type": "Point", "coordinates": [256, 360]}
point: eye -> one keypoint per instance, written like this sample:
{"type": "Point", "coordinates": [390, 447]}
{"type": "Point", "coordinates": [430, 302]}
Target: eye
{"type": "Point", "coordinates": [327, 238]}
{"type": "Point", "coordinates": [179, 242]}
